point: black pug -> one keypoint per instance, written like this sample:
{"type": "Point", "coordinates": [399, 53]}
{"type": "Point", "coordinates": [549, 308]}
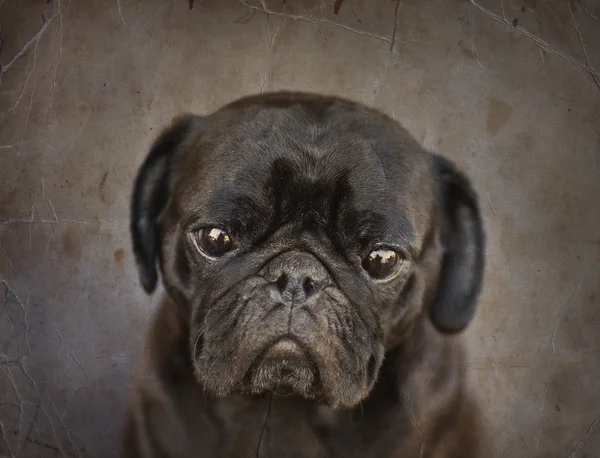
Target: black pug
{"type": "Point", "coordinates": [317, 262]}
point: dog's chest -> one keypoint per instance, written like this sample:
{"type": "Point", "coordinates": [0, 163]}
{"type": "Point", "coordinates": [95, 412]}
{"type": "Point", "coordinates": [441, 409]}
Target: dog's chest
{"type": "Point", "coordinates": [279, 427]}
{"type": "Point", "coordinates": [265, 427]}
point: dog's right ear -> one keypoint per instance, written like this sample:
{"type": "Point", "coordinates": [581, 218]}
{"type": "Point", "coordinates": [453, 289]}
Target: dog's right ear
{"type": "Point", "coordinates": [150, 197]}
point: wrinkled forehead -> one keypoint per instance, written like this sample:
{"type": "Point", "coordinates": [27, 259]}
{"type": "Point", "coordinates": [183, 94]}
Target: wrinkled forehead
{"type": "Point", "coordinates": [298, 160]}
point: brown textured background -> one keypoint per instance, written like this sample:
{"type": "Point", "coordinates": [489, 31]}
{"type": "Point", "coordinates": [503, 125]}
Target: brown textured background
{"type": "Point", "coordinates": [509, 90]}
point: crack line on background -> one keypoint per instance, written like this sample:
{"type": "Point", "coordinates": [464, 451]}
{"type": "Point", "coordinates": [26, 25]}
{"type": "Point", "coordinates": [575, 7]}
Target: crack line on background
{"type": "Point", "coordinates": [541, 43]}
{"type": "Point", "coordinates": [323, 22]}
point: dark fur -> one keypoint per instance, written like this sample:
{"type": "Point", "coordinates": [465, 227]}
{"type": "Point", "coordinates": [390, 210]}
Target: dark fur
{"type": "Point", "coordinates": [306, 186]}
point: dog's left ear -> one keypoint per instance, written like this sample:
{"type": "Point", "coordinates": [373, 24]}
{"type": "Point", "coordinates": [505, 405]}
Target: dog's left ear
{"type": "Point", "coordinates": [150, 197]}
{"type": "Point", "coordinates": [463, 244]}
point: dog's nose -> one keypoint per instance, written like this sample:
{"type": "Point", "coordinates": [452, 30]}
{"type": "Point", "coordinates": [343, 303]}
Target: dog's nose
{"type": "Point", "coordinates": [298, 276]}
{"type": "Point", "coordinates": [298, 286]}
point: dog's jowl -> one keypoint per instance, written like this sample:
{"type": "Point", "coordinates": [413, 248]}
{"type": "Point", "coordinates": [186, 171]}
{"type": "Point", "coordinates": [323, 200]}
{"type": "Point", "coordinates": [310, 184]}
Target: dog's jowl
{"type": "Point", "coordinates": [318, 264]}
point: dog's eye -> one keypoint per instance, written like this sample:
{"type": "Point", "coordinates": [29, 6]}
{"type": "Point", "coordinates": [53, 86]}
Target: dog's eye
{"type": "Point", "coordinates": [213, 242]}
{"type": "Point", "coordinates": [382, 263]}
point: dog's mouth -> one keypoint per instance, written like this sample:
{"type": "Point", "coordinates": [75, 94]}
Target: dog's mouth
{"type": "Point", "coordinates": [285, 367]}
{"type": "Point", "coordinates": [285, 348]}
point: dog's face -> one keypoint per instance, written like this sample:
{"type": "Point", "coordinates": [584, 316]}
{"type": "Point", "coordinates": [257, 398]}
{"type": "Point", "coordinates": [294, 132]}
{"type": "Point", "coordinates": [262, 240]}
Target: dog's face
{"type": "Point", "coordinates": [303, 235]}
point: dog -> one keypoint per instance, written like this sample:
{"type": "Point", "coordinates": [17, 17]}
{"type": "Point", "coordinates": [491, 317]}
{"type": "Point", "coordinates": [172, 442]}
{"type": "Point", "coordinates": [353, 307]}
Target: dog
{"type": "Point", "coordinates": [318, 267]}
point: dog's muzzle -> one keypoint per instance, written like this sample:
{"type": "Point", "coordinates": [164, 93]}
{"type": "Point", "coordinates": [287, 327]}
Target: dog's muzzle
{"type": "Point", "coordinates": [286, 363]}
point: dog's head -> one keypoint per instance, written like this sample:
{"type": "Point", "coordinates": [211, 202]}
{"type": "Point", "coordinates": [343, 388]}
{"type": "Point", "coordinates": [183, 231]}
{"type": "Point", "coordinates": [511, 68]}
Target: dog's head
{"type": "Point", "coordinates": [303, 235]}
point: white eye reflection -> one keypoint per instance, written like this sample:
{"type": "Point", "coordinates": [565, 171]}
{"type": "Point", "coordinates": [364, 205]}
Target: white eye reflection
{"type": "Point", "coordinates": [382, 263]}
{"type": "Point", "coordinates": [213, 242]}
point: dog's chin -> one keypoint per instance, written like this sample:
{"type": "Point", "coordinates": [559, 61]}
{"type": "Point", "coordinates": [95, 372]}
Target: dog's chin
{"type": "Point", "coordinates": [285, 369]}
{"type": "Point", "coordinates": [283, 377]}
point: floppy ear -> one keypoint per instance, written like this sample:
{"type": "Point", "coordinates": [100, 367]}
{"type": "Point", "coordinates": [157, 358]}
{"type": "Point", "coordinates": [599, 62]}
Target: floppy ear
{"type": "Point", "coordinates": [150, 197]}
{"type": "Point", "coordinates": [463, 244]}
